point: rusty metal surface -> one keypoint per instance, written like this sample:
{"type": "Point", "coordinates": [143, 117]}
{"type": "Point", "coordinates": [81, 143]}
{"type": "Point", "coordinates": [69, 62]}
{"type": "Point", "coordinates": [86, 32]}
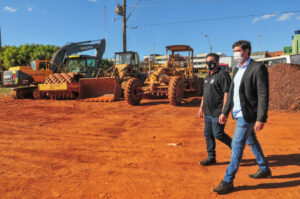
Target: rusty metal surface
{"type": "Point", "coordinates": [99, 87]}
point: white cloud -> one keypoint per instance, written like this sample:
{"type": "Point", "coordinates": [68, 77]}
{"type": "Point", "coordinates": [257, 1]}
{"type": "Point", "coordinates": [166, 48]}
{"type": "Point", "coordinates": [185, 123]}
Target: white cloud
{"type": "Point", "coordinates": [285, 16]}
{"type": "Point", "coordinates": [10, 9]}
{"type": "Point", "coordinates": [298, 18]}
{"type": "Point", "coordinates": [30, 7]}
{"type": "Point", "coordinates": [267, 16]}
{"type": "Point", "coordinates": [263, 17]}
{"type": "Point", "coordinates": [93, 0]}
{"type": "Point", "coordinates": [255, 20]}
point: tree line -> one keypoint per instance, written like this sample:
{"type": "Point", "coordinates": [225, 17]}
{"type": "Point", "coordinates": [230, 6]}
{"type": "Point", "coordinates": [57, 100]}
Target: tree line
{"type": "Point", "coordinates": [24, 54]}
{"type": "Point", "coordinates": [11, 56]}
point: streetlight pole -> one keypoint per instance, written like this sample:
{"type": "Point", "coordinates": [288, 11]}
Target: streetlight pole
{"type": "Point", "coordinates": [210, 46]}
{"type": "Point", "coordinates": [154, 60]}
{"type": "Point", "coordinates": [260, 45]}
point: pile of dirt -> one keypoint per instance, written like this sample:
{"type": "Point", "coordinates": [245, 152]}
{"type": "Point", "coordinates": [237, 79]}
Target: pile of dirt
{"type": "Point", "coordinates": [284, 87]}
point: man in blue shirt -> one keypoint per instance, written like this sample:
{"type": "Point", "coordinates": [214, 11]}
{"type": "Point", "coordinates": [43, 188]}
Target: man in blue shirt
{"type": "Point", "coordinates": [248, 99]}
{"type": "Point", "coordinates": [216, 87]}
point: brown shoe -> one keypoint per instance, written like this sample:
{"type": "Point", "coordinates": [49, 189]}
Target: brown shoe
{"type": "Point", "coordinates": [261, 174]}
{"type": "Point", "coordinates": [224, 188]}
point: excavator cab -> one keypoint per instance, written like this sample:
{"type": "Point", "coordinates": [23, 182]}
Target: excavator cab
{"type": "Point", "coordinates": [86, 65]}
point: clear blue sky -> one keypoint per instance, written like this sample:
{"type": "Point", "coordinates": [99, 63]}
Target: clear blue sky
{"type": "Point", "coordinates": [159, 23]}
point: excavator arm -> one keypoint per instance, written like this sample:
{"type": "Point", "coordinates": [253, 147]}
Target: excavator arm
{"type": "Point", "coordinates": [59, 56]}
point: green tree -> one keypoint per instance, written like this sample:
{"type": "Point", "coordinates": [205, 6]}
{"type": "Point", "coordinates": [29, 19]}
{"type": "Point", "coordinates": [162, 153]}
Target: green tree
{"type": "Point", "coordinates": [106, 63]}
{"type": "Point", "coordinates": [24, 54]}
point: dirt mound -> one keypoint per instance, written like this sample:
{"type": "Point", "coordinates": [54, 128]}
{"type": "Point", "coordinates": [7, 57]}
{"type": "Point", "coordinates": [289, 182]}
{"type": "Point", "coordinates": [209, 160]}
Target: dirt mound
{"type": "Point", "coordinates": [284, 87]}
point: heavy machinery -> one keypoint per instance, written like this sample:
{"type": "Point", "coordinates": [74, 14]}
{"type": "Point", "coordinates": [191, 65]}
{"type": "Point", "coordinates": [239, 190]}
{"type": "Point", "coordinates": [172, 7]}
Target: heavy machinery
{"type": "Point", "coordinates": [26, 75]}
{"type": "Point", "coordinates": [68, 70]}
{"type": "Point", "coordinates": [173, 79]}
{"type": "Point", "coordinates": [113, 82]}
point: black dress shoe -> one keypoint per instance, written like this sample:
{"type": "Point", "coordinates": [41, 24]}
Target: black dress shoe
{"type": "Point", "coordinates": [261, 174]}
{"type": "Point", "coordinates": [224, 188]}
{"type": "Point", "coordinates": [208, 161]}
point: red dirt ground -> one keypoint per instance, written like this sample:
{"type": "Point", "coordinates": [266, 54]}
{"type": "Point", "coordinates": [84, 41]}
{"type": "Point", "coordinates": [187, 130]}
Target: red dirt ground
{"type": "Point", "coordinates": [71, 149]}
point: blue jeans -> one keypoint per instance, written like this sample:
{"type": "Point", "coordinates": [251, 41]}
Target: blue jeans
{"type": "Point", "coordinates": [213, 129]}
{"type": "Point", "coordinates": [244, 133]}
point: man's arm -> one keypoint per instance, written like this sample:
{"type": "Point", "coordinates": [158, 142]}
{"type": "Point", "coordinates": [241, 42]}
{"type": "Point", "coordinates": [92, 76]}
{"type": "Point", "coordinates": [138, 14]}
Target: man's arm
{"type": "Point", "coordinates": [227, 89]}
{"type": "Point", "coordinates": [200, 112]}
{"type": "Point", "coordinates": [262, 80]}
{"type": "Point", "coordinates": [225, 100]}
{"type": "Point", "coordinates": [222, 117]}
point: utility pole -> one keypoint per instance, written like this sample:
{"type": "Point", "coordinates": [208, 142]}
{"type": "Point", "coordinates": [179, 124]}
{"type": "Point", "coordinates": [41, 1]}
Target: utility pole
{"type": "Point", "coordinates": [1, 67]}
{"type": "Point", "coordinates": [124, 27]}
{"type": "Point", "coordinates": [121, 10]}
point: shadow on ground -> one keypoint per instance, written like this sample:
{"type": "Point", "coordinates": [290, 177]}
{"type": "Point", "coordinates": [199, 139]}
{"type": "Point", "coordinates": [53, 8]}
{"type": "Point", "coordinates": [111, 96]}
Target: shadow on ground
{"type": "Point", "coordinates": [274, 161]}
{"type": "Point", "coordinates": [292, 183]}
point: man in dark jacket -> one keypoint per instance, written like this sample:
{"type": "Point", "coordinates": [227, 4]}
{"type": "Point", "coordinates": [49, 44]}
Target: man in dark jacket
{"type": "Point", "coordinates": [216, 87]}
{"type": "Point", "coordinates": [248, 99]}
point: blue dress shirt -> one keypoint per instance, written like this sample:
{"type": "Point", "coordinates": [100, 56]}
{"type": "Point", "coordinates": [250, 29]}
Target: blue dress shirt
{"type": "Point", "coordinates": [237, 110]}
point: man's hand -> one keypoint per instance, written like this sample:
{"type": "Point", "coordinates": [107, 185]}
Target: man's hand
{"type": "Point", "coordinates": [200, 112]}
{"type": "Point", "coordinates": [222, 119]}
{"type": "Point", "coordinates": [258, 126]}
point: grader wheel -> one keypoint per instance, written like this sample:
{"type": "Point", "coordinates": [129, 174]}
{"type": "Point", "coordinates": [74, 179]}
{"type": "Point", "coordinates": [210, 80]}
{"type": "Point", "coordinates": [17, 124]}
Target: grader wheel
{"type": "Point", "coordinates": [175, 91]}
{"type": "Point", "coordinates": [133, 93]}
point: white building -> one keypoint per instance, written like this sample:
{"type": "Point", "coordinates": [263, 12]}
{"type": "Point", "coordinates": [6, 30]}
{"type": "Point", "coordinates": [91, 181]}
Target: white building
{"type": "Point", "coordinates": [199, 60]}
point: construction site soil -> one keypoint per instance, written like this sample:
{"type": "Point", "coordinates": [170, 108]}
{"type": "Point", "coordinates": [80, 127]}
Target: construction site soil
{"type": "Point", "coordinates": [72, 149]}
{"type": "Point", "coordinates": [284, 86]}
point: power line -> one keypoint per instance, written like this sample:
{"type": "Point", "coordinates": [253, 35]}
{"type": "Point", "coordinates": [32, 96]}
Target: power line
{"type": "Point", "coordinates": [215, 19]}
{"type": "Point", "coordinates": [173, 4]}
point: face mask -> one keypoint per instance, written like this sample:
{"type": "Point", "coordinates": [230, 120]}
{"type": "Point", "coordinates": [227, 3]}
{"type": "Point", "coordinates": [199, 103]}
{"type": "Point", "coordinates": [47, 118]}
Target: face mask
{"type": "Point", "coordinates": [237, 56]}
{"type": "Point", "coordinates": [211, 65]}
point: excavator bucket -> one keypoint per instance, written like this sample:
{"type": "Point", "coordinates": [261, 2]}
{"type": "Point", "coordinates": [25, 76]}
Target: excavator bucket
{"type": "Point", "coordinates": [99, 89]}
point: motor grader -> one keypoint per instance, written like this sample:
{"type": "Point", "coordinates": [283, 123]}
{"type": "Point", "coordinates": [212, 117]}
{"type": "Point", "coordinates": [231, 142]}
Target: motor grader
{"type": "Point", "coordinates": [173, 79]}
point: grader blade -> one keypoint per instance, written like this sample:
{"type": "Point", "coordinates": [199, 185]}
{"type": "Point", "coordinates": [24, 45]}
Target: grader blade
{"type": "Point", "coordinates": [99, 89]}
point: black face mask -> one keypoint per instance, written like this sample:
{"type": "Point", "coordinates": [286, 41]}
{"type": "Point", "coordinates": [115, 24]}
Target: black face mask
{"type": "Point", "coordinates": [211, 65]}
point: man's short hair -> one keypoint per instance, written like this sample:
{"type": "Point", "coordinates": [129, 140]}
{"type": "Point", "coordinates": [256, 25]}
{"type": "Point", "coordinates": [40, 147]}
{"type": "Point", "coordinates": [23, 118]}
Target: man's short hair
{"type": "Point", "coordinates": [216, 56]}
{"type": "Point", "coordinates": [243, 44]}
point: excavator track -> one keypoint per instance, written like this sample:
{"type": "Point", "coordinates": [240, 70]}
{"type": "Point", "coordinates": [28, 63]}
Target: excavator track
{"type": "Point", "coordinates": [23, 92]}
{"type": "Point", "coordinates": [13, 94]}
